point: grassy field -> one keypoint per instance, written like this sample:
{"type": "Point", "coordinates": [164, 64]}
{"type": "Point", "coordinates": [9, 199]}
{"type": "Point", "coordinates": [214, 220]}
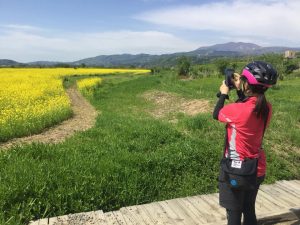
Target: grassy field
{"type": "Point", "coordinates": [32, 99]}
{"type": "Point", "coordinates": [130, 157]}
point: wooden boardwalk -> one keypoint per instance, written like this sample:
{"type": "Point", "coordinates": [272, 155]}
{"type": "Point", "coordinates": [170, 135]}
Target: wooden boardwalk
{"type": "Point", "coordinates": [276, 202]}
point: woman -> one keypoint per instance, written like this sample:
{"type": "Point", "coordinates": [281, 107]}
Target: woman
{"type": "Point", "coordinates": [246, 120]}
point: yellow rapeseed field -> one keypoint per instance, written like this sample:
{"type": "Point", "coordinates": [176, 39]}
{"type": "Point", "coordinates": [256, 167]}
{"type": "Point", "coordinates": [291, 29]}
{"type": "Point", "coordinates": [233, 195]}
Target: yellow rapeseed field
{"type": "Point", "coordinates": [86, 85]}
{"type": "Point", "coordinates": [32, 99]}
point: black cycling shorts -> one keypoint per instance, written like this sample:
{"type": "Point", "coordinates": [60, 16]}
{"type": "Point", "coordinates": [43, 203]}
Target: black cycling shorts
{"type": "Point", "coordinates": [235, 199]}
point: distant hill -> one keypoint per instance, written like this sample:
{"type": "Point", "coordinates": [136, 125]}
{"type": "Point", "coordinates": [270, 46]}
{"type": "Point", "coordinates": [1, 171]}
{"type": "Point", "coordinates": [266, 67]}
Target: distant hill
{"type": "Point", "coordinates": [231, 49]}
{"type": "Point", "coordinates": [239, 48]}
{"type": "Point", "coordinates": [44, 63]}
{"type": "Point", "coordinates": [8, 62]}
{"type": "Point", "coordinates": [202, 54]}
{"type": "Point", "coordinates": [115, 60]}
{"type": "Point", "coordinates": [139, 60]}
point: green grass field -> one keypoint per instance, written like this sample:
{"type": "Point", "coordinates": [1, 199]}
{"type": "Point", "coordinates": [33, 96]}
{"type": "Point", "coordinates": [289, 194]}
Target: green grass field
{"type": "Point", "coordinates": [131, 158]}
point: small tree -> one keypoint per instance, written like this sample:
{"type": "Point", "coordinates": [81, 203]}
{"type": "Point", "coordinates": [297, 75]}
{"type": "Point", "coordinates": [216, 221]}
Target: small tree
{"type": "Point", "coordinates": [155, 70]}
{"type": "Point", "coordinates": [233, 65]}
{"type": "Point", "coordinates": [290, 65]}
{"type": "Point", "coordinates": [184, 66]}
{"type": "Point", "coordinates": [221, 65]}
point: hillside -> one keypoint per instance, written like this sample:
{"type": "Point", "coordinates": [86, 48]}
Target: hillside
{"type": "Point", "coordinates": [230, 49]}
{"type": "Point", "coordinates": [8, 62]}
{"type": "Point", "coordinates": [200, 55]}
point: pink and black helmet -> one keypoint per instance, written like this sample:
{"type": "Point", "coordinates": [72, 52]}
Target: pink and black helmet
{"type": "Point", "coordinates": [260, 73]}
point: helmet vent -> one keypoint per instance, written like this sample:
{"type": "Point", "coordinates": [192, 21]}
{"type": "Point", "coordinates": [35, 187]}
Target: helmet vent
{"type": "Point", "coordinates": [261, 73]}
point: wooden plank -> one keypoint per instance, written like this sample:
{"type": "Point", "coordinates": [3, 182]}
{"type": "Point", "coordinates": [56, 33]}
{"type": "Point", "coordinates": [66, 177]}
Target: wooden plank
{"type": "Point", "coordinates": [189, 218]}
{"type": "Point", "coordinates": [285, 185]}
{"type": "Point", "coordinates": [290, 192]}
{"type": "Point", "coordinates": [122, 220]}
{"type": "Point", "coordinates": [290, 197]}
{"type": "Point", "coordinates": [99, 217]}
{"type": "Point", "coordinates": [176, 216]}
{"type": "Point", "coordinates": [60, 220]}
{"type": "Point", "coordinates": [135, 214]}
{"type": "Point", "coordinates": [203, 208]}
{"type": "Point", "coordinates": [39, 222]}
{"type": "Point", "coordinates": [273, 192]}
{"type": "Point", "coordinates": [190, 207]}
{"type": "Point", "coordinates": [200, 204]}
{"type": "Point", "coordinates": [277, 216]}
{"type": "Point", "coordinates": [44, 221]}
{"type": "Point", "coordinates": [222, 222]}
{"type": "Point", "coordinates": [288, 189]}
{"type": "Point", "coordinates": [291, 185]}
{"type": "Point", "coordinates": [153, 214]}
{"type": "Point", "coordinates": [210, 199]}
{"type": "Point", "coordinates": [262, 206]}
{"type": "Point", "coordinates": [53, 221]}
{"type": "Point", "coordinates": [269, 202]}
{"type": "Point", "coordinates": [214, 197]}
{"type": "Point", "coordinates": [265, 203]}
{"type": "Point", "coordinates": [159, 214]}
{"type": "Point", "coordinates": [90, 218]}
{"type": "Point", "coordinates": [126, 212]}
{"type": "Point", "coordinates": [296, 182]}
{"type": "Point", "coordinates": [276, 202]}
{"type": "Point", "coordinates": [147, 218]}
{"type": "Point", "coordinates": [82, 218]}
{"type": "Point", "coordinates": [125, 217]}
{"type": "Point", "coordinates": [110, 219]}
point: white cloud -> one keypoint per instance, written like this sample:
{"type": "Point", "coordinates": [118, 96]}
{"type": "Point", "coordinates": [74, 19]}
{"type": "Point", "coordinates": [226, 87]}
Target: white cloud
{"type": "Point", "coordinates": [21, 27]}
{"type": "Point", "coordinates": [151, 1]}
{"type": "Point", "coordinates": [264, 22]}
{"type": "Point", "coordinates": [23, 45]}
{"type": "Point", "coordinates": [264, 19]}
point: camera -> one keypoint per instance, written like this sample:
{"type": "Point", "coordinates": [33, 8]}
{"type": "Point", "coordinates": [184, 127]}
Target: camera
{"type": "Point", "coordinates": [229, 77]}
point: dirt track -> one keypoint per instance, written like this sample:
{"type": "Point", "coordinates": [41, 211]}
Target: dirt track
{"type": "Point", "coordinates": [84, 117]}
{"type": "Point", "coordinates": [166, 103]}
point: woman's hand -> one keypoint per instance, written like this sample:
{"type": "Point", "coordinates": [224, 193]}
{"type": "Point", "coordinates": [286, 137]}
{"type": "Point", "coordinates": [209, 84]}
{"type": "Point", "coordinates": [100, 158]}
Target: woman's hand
{"type": "Point", "coordinates": [224, 89]}
{"type": "Point", "coordinates": [237, 81]}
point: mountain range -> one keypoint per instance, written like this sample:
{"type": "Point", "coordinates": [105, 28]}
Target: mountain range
{"type": "Point", "coordinates": [202, 54]}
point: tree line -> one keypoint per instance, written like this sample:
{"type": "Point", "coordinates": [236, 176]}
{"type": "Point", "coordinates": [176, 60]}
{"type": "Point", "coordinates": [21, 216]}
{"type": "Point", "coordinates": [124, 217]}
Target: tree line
{"type": "Point", "coordinates": [216, 67]}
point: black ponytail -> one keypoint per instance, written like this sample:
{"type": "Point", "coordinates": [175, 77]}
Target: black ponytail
{"type": "Point", "coordinates": [261, 107]}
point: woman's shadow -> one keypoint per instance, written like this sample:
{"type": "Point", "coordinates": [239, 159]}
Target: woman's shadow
{"type": "Point", "coordinates": [289, 218]}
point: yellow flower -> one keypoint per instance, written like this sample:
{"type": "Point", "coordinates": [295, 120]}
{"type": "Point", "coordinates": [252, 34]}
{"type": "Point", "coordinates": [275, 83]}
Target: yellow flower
{"type": "Point", "coordinates": [32, 98]}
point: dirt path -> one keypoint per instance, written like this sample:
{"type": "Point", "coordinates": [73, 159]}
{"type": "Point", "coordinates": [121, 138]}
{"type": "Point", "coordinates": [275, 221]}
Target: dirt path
{"type": "Point", "coordinates": [166, 103]}
{"type": "Point", "coordinates": [85, 115]}
{"type": "Point", "coordinates": [84, 118]}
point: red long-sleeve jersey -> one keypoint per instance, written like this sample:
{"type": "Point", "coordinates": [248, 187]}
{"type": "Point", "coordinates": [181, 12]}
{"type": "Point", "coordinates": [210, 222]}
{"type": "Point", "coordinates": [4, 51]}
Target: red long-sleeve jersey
{"type": "Point", "coordinates": [244, 132]}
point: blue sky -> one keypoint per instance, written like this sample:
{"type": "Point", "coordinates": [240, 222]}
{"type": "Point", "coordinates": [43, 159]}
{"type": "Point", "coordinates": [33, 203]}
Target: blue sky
{"type": "Point", "coordinates": [68, 30]}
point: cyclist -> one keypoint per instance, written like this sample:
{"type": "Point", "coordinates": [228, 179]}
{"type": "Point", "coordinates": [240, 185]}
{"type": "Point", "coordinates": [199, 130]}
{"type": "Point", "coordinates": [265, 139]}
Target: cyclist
{"type": "Point", "coordinates": [245, 120]}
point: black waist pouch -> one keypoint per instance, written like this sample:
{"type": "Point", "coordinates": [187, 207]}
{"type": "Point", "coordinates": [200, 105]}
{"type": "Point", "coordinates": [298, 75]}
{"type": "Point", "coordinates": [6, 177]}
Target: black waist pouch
{"type": "Point", "coordinates": [239, 175]}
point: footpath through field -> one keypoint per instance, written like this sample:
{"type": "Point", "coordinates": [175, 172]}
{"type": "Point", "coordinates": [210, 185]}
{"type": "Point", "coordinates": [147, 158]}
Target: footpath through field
{"type": "Point", "coordinates": [278, 203]}
{"type": "Point", "coordinates": [84, 117]}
